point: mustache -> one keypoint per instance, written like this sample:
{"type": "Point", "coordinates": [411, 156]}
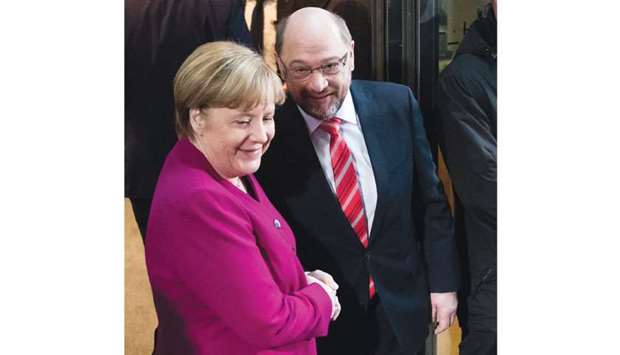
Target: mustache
{"type": "Point", "coordinates": [308, 94]}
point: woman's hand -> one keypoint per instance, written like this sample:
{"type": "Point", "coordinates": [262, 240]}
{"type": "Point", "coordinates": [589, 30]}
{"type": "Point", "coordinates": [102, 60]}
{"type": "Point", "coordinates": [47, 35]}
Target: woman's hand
{"type": "Point", "coordinates": [325, 277]}
{"type": "Point", "coordinates": [328, 284]}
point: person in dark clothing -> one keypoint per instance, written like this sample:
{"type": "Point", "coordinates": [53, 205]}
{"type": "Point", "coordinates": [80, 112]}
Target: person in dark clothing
{"type": "Point", "coordinates": [159, 35]}
{"type": "Point", "coordinates": [351, 170]}
{"type": "Point", "coordinates": [466, 112]}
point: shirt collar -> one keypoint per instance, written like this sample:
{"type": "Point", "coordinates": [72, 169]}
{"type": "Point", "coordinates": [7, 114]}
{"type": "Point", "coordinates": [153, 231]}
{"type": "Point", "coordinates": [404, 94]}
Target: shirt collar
{"type": "Point", "coordinates": [345, 113]}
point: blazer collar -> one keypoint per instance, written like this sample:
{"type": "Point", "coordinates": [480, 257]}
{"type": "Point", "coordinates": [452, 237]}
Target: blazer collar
{"type": "Point", "coordinates": [195, 159]}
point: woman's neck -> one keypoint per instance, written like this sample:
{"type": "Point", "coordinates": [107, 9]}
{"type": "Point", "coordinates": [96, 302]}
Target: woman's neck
{"type": "Point", "coordinates": [238, 183]}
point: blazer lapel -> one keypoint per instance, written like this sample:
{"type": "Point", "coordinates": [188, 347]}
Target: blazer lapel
{"type": "Point", "coordinates": [371, 123]}
{"type": "Point", "coordinates": [305, 167]}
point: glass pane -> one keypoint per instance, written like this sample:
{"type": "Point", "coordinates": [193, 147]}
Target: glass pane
{"type": "Point", "coordinates": [455, 17]}
{"type": "Point", "coordinates": [394, 28]}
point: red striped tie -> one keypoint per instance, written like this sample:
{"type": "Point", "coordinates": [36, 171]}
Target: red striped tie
{"type": "Point", "coordinates": [347, 187]}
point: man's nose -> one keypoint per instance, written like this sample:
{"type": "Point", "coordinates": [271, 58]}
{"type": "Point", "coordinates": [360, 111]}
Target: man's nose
{"type": "Point", "coordinates": [317, 81]}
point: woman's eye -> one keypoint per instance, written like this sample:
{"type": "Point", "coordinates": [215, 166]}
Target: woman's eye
{"type": "Point", "coordinates": [267, 118]}
{"type": "Point", "coordinates": [242, 123]}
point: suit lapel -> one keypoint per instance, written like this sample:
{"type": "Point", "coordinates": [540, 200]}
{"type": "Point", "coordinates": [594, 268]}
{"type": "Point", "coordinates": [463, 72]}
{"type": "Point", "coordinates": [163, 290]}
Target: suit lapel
{"type": "Point", "coordinates": [302, 158]}
{"type": "Point", "coordinates": [372, 124]}
{"type": "Point", "coordinates": [296, 139]}
{"type": "Point", "coordinates": [319, 200]}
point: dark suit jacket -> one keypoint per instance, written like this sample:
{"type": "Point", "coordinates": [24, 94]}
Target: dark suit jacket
{"type": "Point", "coordinates": [411, 242]}
{"type": "Point", "coordinates": [159, 35]}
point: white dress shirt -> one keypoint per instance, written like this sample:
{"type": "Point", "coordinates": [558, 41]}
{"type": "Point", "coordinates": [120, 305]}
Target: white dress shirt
{"type": "Point", "coordinates": [351, 131]}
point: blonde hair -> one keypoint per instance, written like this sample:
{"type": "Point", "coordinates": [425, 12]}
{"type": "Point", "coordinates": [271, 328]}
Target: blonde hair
{"type": "Point", "coordinates": [223, 74]}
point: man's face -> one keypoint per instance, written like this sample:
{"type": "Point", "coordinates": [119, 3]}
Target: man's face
{"type": "Point", "coordinates": [321, 92]}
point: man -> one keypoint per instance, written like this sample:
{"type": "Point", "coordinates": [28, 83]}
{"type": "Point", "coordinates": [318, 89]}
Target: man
{"type": "Point", "coordinates": [360, 192]}
{"type": "Point", "coordinates": [159, 35]}
{"type": "Point", "coordinates": [466, 113]}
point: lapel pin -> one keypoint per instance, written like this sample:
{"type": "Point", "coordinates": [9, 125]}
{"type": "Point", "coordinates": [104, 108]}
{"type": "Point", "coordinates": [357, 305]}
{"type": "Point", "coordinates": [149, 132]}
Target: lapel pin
{"type": "Point", "coordinates": [277, 223]}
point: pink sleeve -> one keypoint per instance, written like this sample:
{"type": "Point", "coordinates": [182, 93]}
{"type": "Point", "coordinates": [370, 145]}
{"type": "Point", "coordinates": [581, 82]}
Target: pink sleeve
{"type": "Point", "coordinates": [217, 259]}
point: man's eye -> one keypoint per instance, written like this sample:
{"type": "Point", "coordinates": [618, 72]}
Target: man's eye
{"type": "Point", "coordinates": [331, 67]}
{"type": "Point", "coordinates": [243, 123]}
{"type": "Point", "coordinates": [268, 118]}
{"type": "Point", "coordinates": [301, 70]}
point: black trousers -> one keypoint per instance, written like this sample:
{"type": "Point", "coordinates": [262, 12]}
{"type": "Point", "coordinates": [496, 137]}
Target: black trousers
{"type": "Point", "coordinates": [141, 208]}
{"type": "Point", "coordinates": [366, 332]}
{"type": "Point", "coordinates": [381, 336]}
{"type": "Point", "coordinates": [478, 317]}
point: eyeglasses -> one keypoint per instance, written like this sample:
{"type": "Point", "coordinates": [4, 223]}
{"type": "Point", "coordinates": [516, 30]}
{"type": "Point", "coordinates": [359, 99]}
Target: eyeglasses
{"type": "Point", "coordinates": [332, 68]}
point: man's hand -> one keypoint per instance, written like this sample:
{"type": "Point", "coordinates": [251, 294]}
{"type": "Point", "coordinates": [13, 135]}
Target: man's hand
{"type": "Point", "coordinates": [443, 310]}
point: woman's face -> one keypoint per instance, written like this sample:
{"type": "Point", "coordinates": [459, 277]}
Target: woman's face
{"type": "Point", "coordinates": [232, 140]}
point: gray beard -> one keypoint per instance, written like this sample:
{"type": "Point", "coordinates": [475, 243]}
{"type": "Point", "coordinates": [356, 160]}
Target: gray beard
{"type": "Point", "coordinates": [331, 112]}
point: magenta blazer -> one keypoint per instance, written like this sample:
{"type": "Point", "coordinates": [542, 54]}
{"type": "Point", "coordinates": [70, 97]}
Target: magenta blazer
{"type": "Point", "coordinates": [223, 267]}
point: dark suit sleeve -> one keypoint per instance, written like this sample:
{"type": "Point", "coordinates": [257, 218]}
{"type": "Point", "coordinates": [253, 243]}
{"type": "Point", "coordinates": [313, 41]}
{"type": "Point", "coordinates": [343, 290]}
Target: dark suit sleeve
{"type": "Point", "coordinates": [431, 211]}
{"type": "Point", "coordinates": [236, 27]}
{"type": "Point", "coordinates": [470, 149]}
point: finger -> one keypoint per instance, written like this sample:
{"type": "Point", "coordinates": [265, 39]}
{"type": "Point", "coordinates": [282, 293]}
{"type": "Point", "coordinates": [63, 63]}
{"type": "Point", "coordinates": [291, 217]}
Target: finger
{"type": "Point", "coordinates": [339, 309]}
{"type": "Point", "coordinates": [311, 279]}
{"type": "Point", "coordinates": [452, 319]}
{"type": "Point", "coordinates": [433, 313]}
{"type": "Point", "coordinates": [443, 323]}
{"type": "Point", "coordinates": [327, 278]}
{"type": "Point", "coordinates": [327, 288]}
{"type": "Point", "coordinates": [337, 312]}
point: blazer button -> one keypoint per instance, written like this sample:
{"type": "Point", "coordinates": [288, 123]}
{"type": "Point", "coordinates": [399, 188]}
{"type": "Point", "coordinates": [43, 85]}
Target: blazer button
{"type": "Point", "coordinates": [277, 224]}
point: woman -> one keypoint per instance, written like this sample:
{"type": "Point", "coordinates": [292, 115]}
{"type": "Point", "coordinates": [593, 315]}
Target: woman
{"type": "Point", "coordinates": [221, 260]}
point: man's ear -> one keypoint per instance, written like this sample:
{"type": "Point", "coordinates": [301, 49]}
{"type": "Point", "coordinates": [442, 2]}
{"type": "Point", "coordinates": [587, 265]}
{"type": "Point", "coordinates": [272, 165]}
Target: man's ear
{"type": "Point", "coordinates": [196, 120]}
{"type": "Point", "coordinates": [281, 72]}
{"type": "Point", "coordinates": [280, 65]}
{"type": "Point", "coordinates": [352, 55]}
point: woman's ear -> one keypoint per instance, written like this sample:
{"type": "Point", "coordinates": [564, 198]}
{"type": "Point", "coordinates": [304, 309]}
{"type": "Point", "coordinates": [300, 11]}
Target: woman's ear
{"type": "Point", "coordinates": [196, 120]}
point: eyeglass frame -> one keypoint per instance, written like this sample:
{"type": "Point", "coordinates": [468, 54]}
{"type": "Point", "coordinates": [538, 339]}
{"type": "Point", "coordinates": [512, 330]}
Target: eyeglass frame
{"type": "Point", "coordinates": [342, 61]}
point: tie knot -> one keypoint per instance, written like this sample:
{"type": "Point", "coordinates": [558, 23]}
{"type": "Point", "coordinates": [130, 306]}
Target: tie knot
{"type": "Point", "coordinates": [331, 126]}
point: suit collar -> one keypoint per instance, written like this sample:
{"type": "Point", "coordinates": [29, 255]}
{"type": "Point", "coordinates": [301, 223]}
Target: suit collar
{"type": "Point", "coordinates": [300, 150]}
{"type": "Point", "coordinates": [370, 117]}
